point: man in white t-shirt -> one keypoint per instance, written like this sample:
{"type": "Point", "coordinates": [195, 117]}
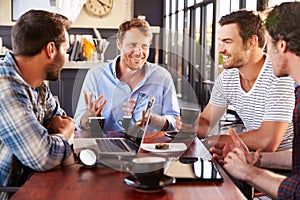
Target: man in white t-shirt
{"type": "Point", "coordinates": [263, 101]}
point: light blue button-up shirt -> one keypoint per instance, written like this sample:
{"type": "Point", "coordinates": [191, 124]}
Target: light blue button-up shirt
{"type": "Point", "coordinates": [102, 79]}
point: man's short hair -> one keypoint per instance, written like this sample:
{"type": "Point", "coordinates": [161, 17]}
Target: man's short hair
{"type": "Point", "coordinates": [35, 29]}
{"type": "Point", "coordinates": [282, 23]}
{"type": "Point", "coordinates": [249, 23]}
{"type": "Point", "coordinates": [140, 24]}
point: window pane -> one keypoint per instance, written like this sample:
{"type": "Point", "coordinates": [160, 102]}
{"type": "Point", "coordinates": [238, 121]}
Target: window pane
{"type": "Point", "coordinates": [208, 45]}
{"type": "Point", "coordinates": [180, 21]}
{"type": "Point", "coordinates": [167, 10]}
{"type": "Point", "coordinates": [180, 5]}
{"type": "Point", "coordinates": [251, 5]}
{"type": "Point", "coordinates": [224, 7]}
{"type": "Point", "coordinates": [173, 3]}
{"type": "Point", "coordinates": [197, 41]}
{"type": "Point", "coordinates": [191, 3]}
{"type": "Point", "coordinates": [235, 5]}
{"type": "Point", "coordinates": [198, 24]}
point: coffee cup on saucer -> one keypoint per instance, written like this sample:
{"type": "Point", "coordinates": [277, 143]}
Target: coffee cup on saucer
{"type": "Point", "coordinates": [147, 174]}
{"type": "Point", "coordinates": [96, 125]}
{"type": "Point", "coordinates": [189, 115]}
{"type": "Point", "coordinates": [125, 122]}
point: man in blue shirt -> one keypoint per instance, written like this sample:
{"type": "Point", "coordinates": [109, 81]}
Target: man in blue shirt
{"type": "Point", "coordinates": [29, 112]}
{"type": "Point", "coordinates": [121, 80]}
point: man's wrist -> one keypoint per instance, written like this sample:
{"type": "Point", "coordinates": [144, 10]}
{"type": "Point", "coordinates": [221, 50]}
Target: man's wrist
{"type": "Point", "coordinates": [159, 122]}
{"type": "Point", "coordinates": [84, 122]}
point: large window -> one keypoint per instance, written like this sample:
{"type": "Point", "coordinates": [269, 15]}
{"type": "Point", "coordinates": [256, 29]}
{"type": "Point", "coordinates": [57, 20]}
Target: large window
{"type": "Point", "coordinates": [190, 44]}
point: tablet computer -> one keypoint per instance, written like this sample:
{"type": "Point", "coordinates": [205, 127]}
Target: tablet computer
{"type": "Point", "coordinates": [193, 169]}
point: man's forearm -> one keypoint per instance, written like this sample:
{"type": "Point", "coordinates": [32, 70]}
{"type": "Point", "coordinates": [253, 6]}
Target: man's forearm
{"type": "Point", "coordinates": [277, 160]}
{"type": "Point", "coordinates": [203, 128]}
{"type": "Point", "coordinates": [265, 181]}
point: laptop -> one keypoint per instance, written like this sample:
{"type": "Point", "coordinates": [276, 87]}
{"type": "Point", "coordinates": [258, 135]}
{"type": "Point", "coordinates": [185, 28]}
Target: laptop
{"type": "Point", "coordinates": [122, 146]}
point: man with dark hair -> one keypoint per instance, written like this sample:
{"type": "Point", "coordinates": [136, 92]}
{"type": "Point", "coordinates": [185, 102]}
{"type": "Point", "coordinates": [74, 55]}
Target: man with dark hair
{"type": "Point", "coordinates": [283, 39]}
{"type": "Point", "coordinates": [261, 100]}
{"type": "Point", "coordinates": [34, 131]}
{"type": "Point", "coordinates": [120, 81]}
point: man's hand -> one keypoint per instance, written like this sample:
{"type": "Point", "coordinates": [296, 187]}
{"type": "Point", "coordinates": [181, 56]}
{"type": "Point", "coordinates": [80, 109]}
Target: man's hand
{"type": "Point", "coordinates": [128, 106]}
{"type": "Point", "coordinates": [142, 122]}
{"type": "Point", "coordinates": [62, 125]}
{"type": "Point", "coordinates": [94, 107]}
{"type": "Point", "coordinates": [220, 149]}
{"type": "Point", "coordinates": [236, 164]}
{"type": "Point", "coordinates": [184, 127]}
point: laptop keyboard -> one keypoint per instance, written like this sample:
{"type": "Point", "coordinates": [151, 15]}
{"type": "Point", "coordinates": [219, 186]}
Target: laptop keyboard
{"type": "Point", "coordinates": [114, 145]}
{"type": "Point", "coordinates": [131, 145]}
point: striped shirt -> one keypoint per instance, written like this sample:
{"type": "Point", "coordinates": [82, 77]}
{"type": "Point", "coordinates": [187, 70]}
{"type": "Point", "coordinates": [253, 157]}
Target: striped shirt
{"type": "Point", "coordinates": [270, 99]}
{"type": "Point", "coordinates": [22, 134]}
{"type": "Point", "coordinates": [290, 187]}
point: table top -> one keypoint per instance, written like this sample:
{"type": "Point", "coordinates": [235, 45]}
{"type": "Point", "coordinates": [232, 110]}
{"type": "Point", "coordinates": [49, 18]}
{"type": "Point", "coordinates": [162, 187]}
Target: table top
{"type": "Point", "coordinates": [73, 181]}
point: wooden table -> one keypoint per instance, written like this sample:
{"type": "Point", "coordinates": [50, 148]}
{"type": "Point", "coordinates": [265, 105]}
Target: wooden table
{"type": "Point", "coordinates": [73, 181]}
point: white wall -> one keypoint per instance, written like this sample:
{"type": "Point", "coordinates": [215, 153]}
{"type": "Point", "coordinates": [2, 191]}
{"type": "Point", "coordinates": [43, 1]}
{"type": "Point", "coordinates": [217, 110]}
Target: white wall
{"type": "Point", "coordinates": [122, 11]}
{"type": "Point", "coordinates": [5, 13]}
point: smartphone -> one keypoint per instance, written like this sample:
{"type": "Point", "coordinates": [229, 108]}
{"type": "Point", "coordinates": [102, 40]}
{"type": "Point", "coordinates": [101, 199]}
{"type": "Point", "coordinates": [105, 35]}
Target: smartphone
{"type": "Point", "coordinates": [178, 136]}
{"type": "Point", "coordinates": [144, 102]}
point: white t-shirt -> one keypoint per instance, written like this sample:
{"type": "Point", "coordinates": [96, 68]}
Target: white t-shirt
{"type": "Point", "coordinates": [270, 99]}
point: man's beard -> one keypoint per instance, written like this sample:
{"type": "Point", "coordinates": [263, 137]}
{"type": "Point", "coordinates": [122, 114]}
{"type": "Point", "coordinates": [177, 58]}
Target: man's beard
{"type": "Point", "coordinates": [54, 69]}
{"type": "Point", "coordinates": [53, 76]}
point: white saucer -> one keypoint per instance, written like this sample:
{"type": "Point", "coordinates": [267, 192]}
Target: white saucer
{"type": "Point", "coordinates": [173, 147]}
{"type": "Point", "coordinates": [133, 182]}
